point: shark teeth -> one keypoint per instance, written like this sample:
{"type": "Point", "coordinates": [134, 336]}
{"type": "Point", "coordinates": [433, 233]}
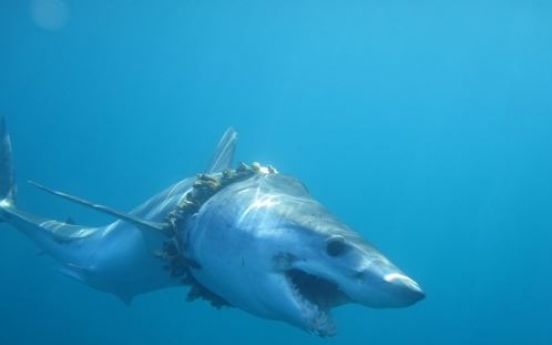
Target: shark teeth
{"type": "Point", "coordinates": [324, 325]}
{"type": "Point", "coordinates": [319, 319]}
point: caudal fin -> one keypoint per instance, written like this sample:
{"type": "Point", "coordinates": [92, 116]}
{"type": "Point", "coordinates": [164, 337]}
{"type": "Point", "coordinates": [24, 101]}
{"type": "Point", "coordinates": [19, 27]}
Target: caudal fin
{"type": "Point", "coordinates": [7, 174]}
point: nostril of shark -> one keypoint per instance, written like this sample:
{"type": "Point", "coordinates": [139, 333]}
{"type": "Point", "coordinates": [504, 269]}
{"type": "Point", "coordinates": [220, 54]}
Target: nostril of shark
{"type": "Point", "coordinates": [407, 288]}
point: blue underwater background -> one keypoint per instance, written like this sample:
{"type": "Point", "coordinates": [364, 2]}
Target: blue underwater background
{"type": "Point", "coordinates": [424, 125]}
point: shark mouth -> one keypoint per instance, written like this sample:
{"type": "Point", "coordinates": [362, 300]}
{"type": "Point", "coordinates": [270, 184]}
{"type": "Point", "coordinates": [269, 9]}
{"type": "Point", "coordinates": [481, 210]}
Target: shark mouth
{"type": "Point", "coordinates": [316, 296]}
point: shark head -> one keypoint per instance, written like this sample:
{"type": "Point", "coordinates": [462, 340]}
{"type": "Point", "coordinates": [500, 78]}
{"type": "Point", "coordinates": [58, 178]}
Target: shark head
{"type": "Point", "coordinates": [267, 246]}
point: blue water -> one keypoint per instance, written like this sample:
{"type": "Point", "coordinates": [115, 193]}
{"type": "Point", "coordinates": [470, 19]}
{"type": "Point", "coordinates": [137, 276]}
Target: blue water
{"type": "Point", "coordinates": [425, 126]}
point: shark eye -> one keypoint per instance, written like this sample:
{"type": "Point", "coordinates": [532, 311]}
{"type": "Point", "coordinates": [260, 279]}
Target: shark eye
{"type": "Point", "coordinates": [335, 245]}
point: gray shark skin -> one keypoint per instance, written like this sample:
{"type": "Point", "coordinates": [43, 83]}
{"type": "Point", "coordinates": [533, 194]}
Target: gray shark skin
{"type": "Point", "coordinates": [249, 238]}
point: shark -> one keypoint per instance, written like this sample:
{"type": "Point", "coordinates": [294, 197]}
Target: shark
{"type": "Point", "coordinates": [247, 237]}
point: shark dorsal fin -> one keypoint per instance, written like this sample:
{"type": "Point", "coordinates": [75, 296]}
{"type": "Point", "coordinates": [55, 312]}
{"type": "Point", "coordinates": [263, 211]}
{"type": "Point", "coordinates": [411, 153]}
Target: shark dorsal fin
{"type": "Point", "coordinates": [162, 227]}
{"type": "Point", "coordinates": [224, 154]}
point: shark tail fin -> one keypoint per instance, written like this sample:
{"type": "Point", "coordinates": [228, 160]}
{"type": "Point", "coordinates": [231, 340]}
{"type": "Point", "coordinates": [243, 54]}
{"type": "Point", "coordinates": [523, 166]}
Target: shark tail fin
{"type": "Point", "coordinates": [7, 175]}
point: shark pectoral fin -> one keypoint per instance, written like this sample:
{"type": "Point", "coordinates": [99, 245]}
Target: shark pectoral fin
{"type": "Point", "coordinates": [78, 273]}
{"type": "Point", "coordinates": [162, 227]}
{"type": "Point", "coordinates": [74, 272]}
{"type": "Point", "coordinates": [126, 299]}
{"type": "Point", "coordinates": [224, 153]}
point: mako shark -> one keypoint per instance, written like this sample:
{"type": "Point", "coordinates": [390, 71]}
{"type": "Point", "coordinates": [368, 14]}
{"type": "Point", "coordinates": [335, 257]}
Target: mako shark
{"type": "Point", "coordinates": [249, 237]}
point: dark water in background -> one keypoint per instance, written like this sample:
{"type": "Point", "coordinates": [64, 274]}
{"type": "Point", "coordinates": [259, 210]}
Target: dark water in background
{"type": "Point", "coordinates": [427, 127]}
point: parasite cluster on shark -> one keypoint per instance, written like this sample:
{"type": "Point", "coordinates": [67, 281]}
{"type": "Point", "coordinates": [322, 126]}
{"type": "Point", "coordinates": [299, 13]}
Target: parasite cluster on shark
{"type": "Point", "coordinates": [249, 237]}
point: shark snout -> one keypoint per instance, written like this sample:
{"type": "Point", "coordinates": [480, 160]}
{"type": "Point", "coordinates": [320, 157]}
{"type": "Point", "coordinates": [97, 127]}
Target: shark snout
{"type": "Point", "coordinates": [388, 289]}
{"type": "Point", "coordinates": [405, 290]}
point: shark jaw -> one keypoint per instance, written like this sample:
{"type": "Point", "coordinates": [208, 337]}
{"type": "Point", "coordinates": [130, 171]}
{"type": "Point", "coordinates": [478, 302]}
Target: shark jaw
{"type": "Point", "coordinates": [314, 296]}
